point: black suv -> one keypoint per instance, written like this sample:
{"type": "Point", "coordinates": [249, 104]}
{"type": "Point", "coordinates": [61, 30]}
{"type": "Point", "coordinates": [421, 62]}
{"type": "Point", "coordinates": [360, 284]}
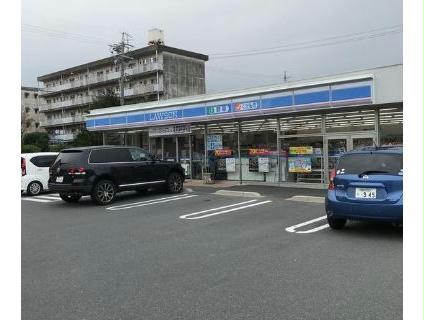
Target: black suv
{"type": "Point", "coordinates": [105, 170]}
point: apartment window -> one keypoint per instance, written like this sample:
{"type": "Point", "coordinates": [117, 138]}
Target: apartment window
{"type": "Point", "coordinates": [26, 94]}
{"type": "Point", "coordinates": [116, 69]}
{"type": "Point", "coordinates": [130, 85]}
{"type": "Point", "coordinates": [48, 101]}
{"type": "Point", "coordinates": [152, 81]}
{"type": "Point", "coordinates": [154, 59]}
{"type": "Point", "coordinates": [72, 79]}
{"type": "Point", "coordinates": [80, 77]}
{"type": "Point", "coordinates": [36, 110]}
{"type": "Point", "coordinates": [131, 65]}
{"type": "Point", "coordinates": [144, 61]}
{"type": "Point", "coordinates": [35, 95]}
{"type": "Point", "coordinates": [37, 124]}
{"type": "Point", "coordinates": [99, 73]}
{"type": "Point", "coordinates": [27, 109]}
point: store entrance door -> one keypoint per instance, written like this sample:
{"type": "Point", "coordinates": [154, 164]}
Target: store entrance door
{"type": "Point", "coordinates": [335, 146]}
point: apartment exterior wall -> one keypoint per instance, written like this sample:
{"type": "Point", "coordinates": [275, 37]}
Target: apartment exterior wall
{"type": "Point", "coordinates": [30, 110]}
{"type": "Point", "coordinates": [70, 94]}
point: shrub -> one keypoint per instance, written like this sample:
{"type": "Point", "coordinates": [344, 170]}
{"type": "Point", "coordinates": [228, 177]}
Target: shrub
{"type": "Point", "coordinates": [39, 139]}
{"type": "Point", "coordinates": [29, 148]}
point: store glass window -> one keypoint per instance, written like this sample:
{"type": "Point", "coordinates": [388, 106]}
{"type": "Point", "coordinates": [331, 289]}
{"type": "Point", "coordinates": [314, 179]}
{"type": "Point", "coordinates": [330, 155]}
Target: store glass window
{"type": "Point", "coordinates": [222, 151]}
{"type": "Point", "coordinates": [295, 125]}
{"type": "Point", "coordinates": [258, 150]}
{"type": "Point", "coordinates": [361, 120]}
{"type": "Point", "coordinates": [302, 159]}
{"type": "Point", "coordinates": [391, 127]}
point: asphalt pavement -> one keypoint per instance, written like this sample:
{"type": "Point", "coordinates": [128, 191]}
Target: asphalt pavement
{"type": "Point", "coordinates": [199, 255]}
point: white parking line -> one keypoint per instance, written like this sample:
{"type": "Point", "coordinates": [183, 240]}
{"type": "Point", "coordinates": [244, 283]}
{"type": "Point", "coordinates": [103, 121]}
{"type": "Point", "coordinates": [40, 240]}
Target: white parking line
{"type": "Point", "coordinates": [36, 200]}
{"type": "Point", "coordinates": [214, 209]}
{"type": "Point", "coordinates": [188, 216]}
{"type": "Point", "coordinates": [307, 199]}
{"type": "Point", "coordinates": [150, 202]}
{"type": "Point", "coordinates": [49, 197]}
{"type": "Point", "coordinates": [293, 228]}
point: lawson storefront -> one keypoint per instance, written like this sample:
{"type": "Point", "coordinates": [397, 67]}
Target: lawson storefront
{"type": "Point", "coordinates": [283, 134]}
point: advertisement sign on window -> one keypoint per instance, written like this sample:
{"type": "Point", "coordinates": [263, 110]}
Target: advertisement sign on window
{"type": "Point", "coordinates": [253, 164]}
{"type": "Point", "coordinates": [300, 164]}
{"type": "Point", "coordinates": [263, 164]}
{"type": "Point", "coordinates": [258, 152]}
{"type": "Point", "coordinates": [301, 150]}
{"type": "Point", "coordinates": [230, 164]}
{"type": "Point", "coordinates": [223, 152]}
{"type": "Point", "coordinates": [214, 141]}
{"type": "Point", "coordinates": [170, 130]}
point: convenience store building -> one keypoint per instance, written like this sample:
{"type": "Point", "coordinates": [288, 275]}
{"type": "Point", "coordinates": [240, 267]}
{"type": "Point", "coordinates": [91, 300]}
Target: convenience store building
{"type": "Point", "coordinates": [291, 133]}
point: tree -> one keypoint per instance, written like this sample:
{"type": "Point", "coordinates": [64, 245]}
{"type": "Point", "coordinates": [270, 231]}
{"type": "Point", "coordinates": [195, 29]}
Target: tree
{"type": "Point", "coordinates": [109, 99]}
{"type": "Point", "coordinates": [87, 138]}
{"type": "Point", "coordinates": [39, 139]}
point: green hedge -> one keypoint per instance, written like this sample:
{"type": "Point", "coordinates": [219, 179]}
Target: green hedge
{"type": "Point", "coordinates": [30, 148]}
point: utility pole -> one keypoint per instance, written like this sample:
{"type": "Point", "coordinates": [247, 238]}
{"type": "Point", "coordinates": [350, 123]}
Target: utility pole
{"type": "Point", "coordinates": [120, 49]}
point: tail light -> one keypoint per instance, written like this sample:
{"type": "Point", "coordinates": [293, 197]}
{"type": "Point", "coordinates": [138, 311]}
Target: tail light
{"type": "Point", "coordinates": [77, 171]}
{"type": "Point", "coordinates": [332, 175]}
{"type": "Point", "coordinates": [23, 166]}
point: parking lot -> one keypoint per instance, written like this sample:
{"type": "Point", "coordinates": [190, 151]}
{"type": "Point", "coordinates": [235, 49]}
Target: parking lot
{"type": "Point", "coordinates": [200, 255]}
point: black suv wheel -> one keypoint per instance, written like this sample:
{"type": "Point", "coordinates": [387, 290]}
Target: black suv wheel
{"type": "Point", "coordinates": [336, 223]}
{"type": "Point", "coordinates": [174, 183]}
{"type": "Point", "coordinates": [104, 192]}
{"type": "Point", "coordinates": [70, 197]}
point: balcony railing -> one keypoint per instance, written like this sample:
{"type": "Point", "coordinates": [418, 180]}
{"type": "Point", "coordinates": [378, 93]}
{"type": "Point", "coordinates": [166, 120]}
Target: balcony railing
{"type": "Point", "coordinates": [62, 121]}
{"type": "Point", "coordinates": [66, 103]}
{"type": "Point", "coordinates": [95, 78]}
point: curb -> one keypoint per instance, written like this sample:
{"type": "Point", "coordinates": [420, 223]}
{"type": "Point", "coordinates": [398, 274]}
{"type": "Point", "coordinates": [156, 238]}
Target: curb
{"type": "Point", "coordinates": [247, 194]}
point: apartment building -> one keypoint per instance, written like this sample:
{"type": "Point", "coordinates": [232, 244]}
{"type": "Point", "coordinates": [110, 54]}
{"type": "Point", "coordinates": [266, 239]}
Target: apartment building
{"type": "Point", "coordinates": [31, 117]}
{"type": "Point", "coordinates": [155, 72]}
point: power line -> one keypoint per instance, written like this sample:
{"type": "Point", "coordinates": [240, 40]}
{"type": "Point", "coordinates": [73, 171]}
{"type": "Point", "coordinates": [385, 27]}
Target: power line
{"type": "Point", "coordinates": [308, 44]}
{"type": "Point", "coordinates": [247, 74]}
{"type": "Point", "coordinates": [55, 31]}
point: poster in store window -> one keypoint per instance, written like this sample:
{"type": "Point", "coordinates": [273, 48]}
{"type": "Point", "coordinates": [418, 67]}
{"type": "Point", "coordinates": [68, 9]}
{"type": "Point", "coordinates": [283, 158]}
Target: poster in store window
{"type": "Point", "coordinates": [253, 164]}
{"type": "Point", "coordinates": [221, 165]}
{"type": "Point", "coordinates": [301, 150]}
{"type": "Point", "coordinates": [300, 164]}
{"type": "Point", "coordinates": [230, 164]}
{"type": "Point", "coordinates": [214, 141]}
{"type": "Point", "coordinates": [263, 164]}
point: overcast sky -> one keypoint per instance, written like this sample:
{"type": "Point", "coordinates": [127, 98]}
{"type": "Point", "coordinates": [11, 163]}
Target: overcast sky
{"type": "Point", "coordinates": [339, 35]}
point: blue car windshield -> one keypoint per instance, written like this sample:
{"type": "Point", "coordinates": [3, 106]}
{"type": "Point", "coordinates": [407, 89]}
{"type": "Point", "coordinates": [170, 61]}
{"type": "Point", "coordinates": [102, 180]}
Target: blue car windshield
{"type": "Point", "coordinates": [370, 163]}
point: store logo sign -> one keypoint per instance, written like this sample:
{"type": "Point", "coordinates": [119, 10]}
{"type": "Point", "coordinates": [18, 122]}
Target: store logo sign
{"type": "Point", "coordinates": [219, 109]}
{"type": "Point", "coordinates": [166, 115]}
{"type": "Point", "coordinates": [246, 106]}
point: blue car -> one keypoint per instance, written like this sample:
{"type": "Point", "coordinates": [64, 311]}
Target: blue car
{"type": "Point", "coordinates": [366, 185]}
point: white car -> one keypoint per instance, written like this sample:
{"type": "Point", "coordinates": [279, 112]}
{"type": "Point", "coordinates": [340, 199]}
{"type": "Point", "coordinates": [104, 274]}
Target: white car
{"type": "Point", "coordinates": [35, 171]}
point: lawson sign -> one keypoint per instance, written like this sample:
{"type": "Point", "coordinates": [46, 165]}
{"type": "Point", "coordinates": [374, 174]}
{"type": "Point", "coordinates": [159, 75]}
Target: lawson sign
{"type": "Point", "coordinates": [326, 96]}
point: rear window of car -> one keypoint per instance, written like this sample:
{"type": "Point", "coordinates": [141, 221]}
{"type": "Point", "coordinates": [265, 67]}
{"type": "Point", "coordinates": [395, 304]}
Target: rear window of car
{"type": "Point", "coordinates": [110, 155]}
{"type": "Point", "coordinates": [43, 161]}
{"type": "Point", "coordinates": [70, 156]}
{"type": "Point", "coordinates": [368, 163]}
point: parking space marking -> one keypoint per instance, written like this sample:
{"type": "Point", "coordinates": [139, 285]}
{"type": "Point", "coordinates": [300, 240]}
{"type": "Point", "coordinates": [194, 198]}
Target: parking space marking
{"type": "Point", "coordinates": [150, 202]}
{"type": "Point", "coordinates": [312, 199]}
{"type": "Point", "coordinates": [42, 198]}
{"type": "Point", "coordinates": [255, 203]}
{"type": "Point", "coordinates": [292, 229]}
{"type": "Point", "coordinates": [49, 197]}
